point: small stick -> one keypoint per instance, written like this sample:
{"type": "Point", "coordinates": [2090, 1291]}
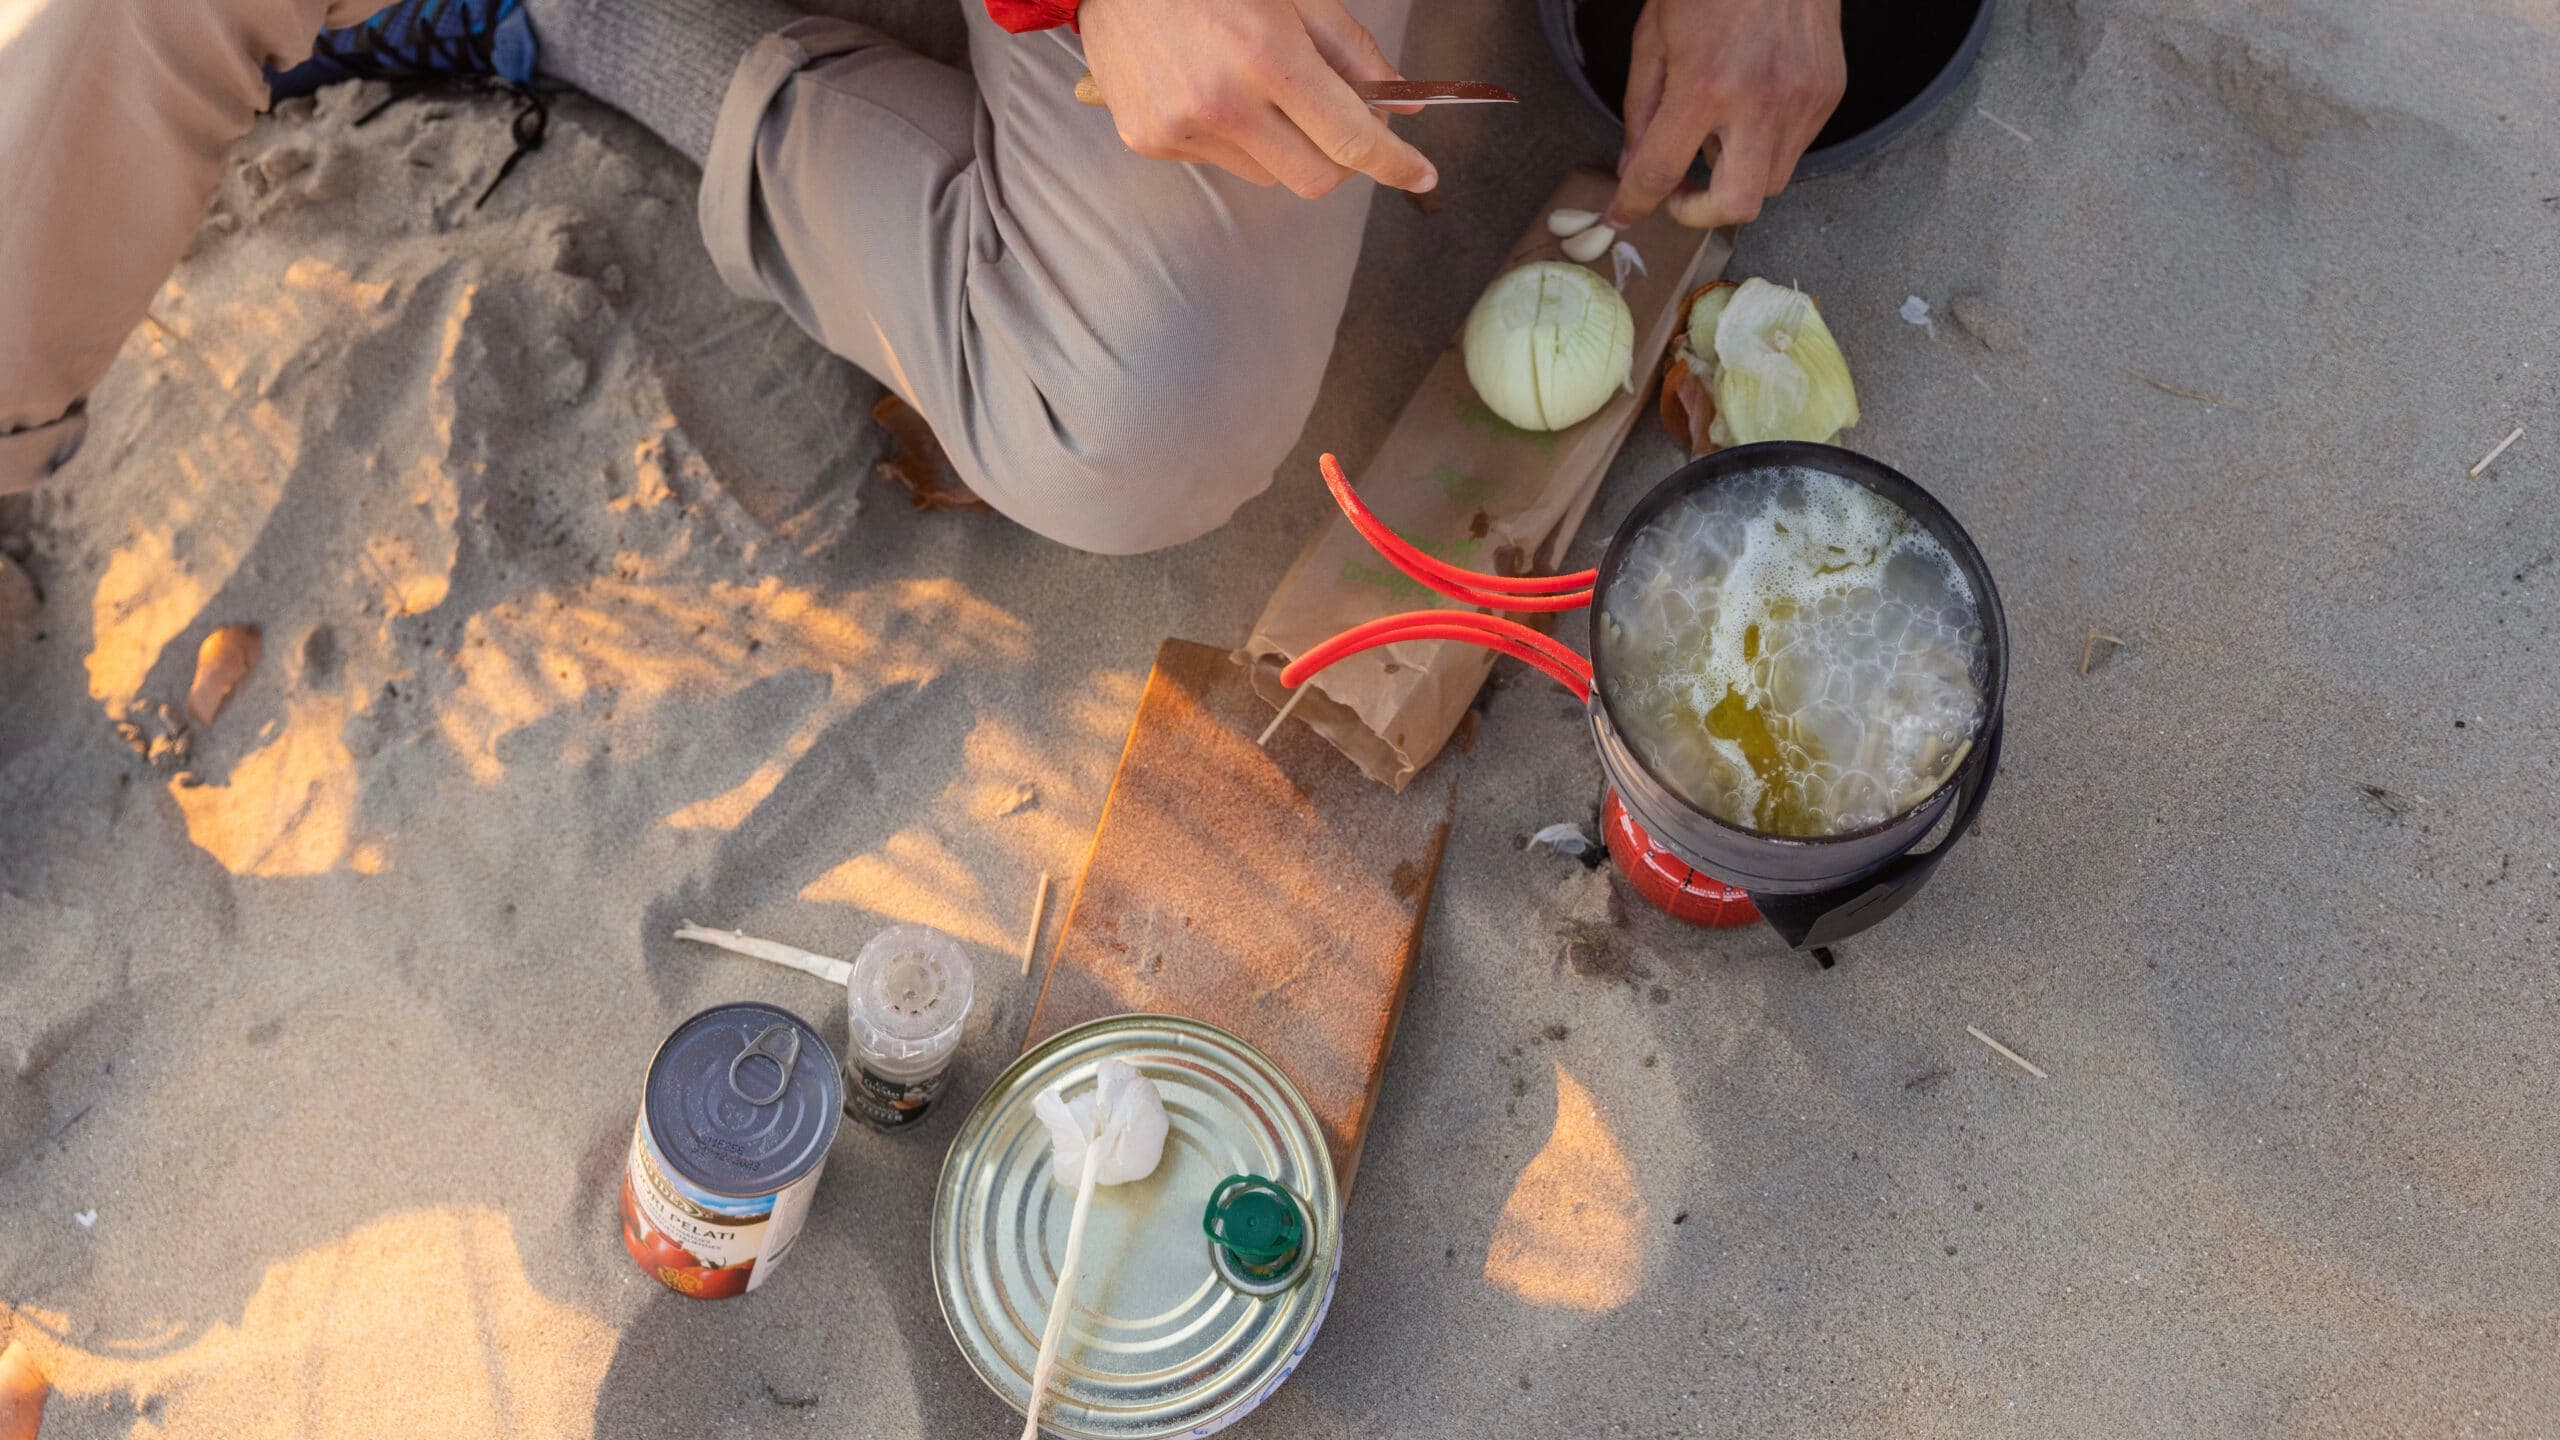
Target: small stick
{"type": "Point", "coordinates": [2165, 388]}
{"type": "Point", "coordinates": [1274, 727]}
{"type": "Point", "coordinates": [2005, 1053]}
{"type": "Point", "coordinates": [1057, 1327]}
{"type": "Point", "coordinates": [2512, 437]}
{"type": "Point", "coordinates": [793, 956]}
{"type": "Point", "coordinates": [1039, 909]}
{"type": "Point", "coordinates": [2089, 647]}
{"type": "Point", "coordinates": [2003, 124]}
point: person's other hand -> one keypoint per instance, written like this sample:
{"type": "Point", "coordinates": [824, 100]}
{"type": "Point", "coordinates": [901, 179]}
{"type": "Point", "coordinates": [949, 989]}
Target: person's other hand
{"type": "Point", "coordinates": [1747, 83]}
{"type": "Point", "coordinates": [1255, 87]}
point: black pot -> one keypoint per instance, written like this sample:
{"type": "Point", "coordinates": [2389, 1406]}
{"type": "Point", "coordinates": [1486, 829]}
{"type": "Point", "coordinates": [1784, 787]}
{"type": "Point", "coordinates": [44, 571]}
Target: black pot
{"type": "Point", "coordinates": [1811, 891]}
{"type": "Point", "coordinates": [1904, 57]}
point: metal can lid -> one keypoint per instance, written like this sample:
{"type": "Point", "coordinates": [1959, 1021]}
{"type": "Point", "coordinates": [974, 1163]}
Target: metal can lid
{"type": "Point", "coordinates": [1159, 1341]}
{"type": "Point", "coordinates": [743, 1099]}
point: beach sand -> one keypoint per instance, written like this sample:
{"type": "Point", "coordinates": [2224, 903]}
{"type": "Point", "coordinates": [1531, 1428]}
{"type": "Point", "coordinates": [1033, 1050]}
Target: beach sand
{"type": "Point", "coordinates": [584, 615]}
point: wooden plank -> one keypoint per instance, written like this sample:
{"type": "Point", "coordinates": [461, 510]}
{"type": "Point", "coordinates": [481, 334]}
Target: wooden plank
{"type": "Point", "coordinates": [1277, 893]}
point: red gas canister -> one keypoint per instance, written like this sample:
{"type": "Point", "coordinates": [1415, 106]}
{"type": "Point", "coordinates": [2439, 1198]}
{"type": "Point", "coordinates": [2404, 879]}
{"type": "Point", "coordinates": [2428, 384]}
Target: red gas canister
{"type": "Point", "coordinates": [1667, 882]}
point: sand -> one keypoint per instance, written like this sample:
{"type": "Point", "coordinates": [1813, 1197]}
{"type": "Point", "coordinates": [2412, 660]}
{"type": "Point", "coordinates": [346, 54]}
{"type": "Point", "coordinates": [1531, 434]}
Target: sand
{"type": "Point", "coordinates": [583, 615]}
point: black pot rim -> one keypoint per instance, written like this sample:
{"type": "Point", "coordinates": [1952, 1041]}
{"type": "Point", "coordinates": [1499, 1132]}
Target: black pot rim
{"type": "Point", "coordinates": [1556, 19]}
{"type": "Point", "coordinates": [1933, 514]}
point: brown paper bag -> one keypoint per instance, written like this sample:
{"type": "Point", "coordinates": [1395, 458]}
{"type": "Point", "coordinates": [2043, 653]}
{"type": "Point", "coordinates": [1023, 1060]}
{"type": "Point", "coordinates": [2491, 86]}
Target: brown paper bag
{"type": "Point", "coordinates": [1471, 489]}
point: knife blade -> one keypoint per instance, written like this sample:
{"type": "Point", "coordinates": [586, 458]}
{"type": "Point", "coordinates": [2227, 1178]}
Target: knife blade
{"type": "Point", "coordinates": [1432, 92]}
{"type": "Point", "coordinates": [1382, 92]}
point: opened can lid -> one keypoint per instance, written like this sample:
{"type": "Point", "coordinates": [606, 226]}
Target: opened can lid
{"type": "Point", "coordinates": [1158, 1342]}
{"type": "Point", "coordinates": [743, 1099]}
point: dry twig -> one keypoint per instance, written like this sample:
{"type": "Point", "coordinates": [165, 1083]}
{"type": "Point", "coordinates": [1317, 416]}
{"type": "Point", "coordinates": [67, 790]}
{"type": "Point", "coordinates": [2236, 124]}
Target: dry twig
{"type": "Point", "coordinates": [2003, 124]}
{"type": "Point", "coordinates": [2005, 1053]}
{"type": "Point", "coordinates": [2183, 393]}
{"type": "Point", "coordinates": [1039, 911]}
{"type": "Point", "coordinates": [1273, 728]}
{"type": "Point", "coordinates": [2491, 458]}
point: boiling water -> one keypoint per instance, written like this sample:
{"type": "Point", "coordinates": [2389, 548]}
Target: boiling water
{"type": "Point", "coordinates": [1793, 653]}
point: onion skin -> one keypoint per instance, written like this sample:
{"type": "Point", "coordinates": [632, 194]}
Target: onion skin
{"type": "Point", "coordinates": [1688, 401]}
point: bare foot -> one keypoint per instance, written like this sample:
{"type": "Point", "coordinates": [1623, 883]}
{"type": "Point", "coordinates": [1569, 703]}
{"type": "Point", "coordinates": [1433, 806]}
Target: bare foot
{"type": "Point", "coordinates": [920, 463]}
{"type": "Point", "coordinates": [22, 1394]}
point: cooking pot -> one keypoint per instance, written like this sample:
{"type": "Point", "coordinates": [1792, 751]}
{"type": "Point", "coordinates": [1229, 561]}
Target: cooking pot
{"type": "Point", "coordinates": [1814, 891]}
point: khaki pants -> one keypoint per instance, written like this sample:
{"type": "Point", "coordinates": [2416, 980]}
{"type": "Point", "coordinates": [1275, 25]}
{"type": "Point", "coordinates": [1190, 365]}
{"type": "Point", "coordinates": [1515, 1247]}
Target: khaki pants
{"type": "Point", "coordinates": [1117, 352]}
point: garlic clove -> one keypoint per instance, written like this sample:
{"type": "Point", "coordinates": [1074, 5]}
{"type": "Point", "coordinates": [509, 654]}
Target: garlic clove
{"type": "Point", "coordinates": [1561, 223]}
{"type": "Point", "coordinates": [1591, 244]}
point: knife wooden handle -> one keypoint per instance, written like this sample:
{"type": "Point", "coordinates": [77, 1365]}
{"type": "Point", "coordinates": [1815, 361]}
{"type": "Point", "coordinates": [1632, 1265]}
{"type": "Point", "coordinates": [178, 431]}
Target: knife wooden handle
{"type": "Point", "coordinates": [1375, 92]}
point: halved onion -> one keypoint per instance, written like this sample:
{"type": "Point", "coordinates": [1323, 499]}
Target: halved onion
{"type": "Point", "coordinates": [1547, 345]}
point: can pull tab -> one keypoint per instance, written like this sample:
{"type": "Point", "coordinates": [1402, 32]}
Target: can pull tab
{"type": "Point", "coordinates": [777, 1043]}
{"type": "Point", "coordinates": [1257, 1233]}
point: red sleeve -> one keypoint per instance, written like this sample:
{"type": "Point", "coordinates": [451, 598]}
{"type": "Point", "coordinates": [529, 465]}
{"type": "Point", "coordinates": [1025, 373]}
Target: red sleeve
{"type": "Point", "coordinates": [1023, 16]}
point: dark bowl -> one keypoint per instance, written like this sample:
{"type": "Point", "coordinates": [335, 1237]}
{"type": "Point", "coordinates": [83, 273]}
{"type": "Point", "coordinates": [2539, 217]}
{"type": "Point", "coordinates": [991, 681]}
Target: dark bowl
{"type": "Point", "coordinates": [1905, 56]}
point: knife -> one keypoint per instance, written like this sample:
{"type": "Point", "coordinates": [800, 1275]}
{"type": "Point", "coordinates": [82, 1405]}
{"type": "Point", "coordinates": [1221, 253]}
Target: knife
{"type": "Point", "coordinates": [1382, 92]}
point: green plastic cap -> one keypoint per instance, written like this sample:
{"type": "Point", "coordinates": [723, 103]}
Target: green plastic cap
{"type": "Point", "coordinates": [1256, 1222]}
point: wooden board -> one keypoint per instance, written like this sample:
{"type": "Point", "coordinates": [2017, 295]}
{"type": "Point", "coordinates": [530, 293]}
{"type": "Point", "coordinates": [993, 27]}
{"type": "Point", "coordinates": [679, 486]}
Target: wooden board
{"type": "Point", "coordinates": [1279, 894]}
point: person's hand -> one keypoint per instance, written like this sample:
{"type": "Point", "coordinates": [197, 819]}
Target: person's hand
{"type": "Point", "coordinates": [1747, 83]}
{"type": "Point", "coordinates": [1254, 87]}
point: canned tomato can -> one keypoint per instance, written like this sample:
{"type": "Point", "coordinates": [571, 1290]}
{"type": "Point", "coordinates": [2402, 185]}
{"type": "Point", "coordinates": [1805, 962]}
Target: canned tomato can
{"type": "Point", "coordinates": [1203, 1284]}
{"type": "Point", "coordinates": [741, 1104]}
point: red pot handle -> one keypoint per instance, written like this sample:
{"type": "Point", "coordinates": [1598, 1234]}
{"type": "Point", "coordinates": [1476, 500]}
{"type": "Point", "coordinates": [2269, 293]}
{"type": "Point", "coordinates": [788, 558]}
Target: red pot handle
{"type": "Point", "coordinates": [1475, 587]}
{"type": "Point", "coordinates": [1509, 637]}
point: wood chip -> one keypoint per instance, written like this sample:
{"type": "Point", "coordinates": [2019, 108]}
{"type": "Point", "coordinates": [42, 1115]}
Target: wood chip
{"type": "Point", "coordinates": [2089, 646]}
{"type": "Point", "coordinates": [224, 659]}
{"type": "Point", "coordinates": [2005, 1053]}
{"type": "Point", "coordinates": [1039, 912]}
{"type": "Point", "coordinates": [2491, 458]}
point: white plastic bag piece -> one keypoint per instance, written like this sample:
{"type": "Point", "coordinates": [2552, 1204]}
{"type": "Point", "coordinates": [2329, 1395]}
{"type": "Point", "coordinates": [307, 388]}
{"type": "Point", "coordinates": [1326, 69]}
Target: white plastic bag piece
{"type": "Point", "coordinates": [1564, 838]}
{"type": "Point", "coordinates": [1121, 1121]}
{"type": "Point", "coordinates": [1915, 311]}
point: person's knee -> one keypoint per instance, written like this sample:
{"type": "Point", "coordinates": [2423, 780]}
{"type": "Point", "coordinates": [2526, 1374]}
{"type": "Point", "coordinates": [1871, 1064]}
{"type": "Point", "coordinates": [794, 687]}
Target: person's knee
{"type": "Point", "coordinates": [1163, 454]}
{"type": "Point", "coordinates": [215, 53]}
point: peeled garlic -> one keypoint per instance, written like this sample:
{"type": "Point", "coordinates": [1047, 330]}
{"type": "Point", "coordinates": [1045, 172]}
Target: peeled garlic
{"type": "Point", "coordinates": [1779, 374]}
{"type": "Point", "coordinates": [1591, 244]}
{"type": "Point", "coordinates": [1547, 345]}
{"type": "Point", "coordinates": [1561, 223]}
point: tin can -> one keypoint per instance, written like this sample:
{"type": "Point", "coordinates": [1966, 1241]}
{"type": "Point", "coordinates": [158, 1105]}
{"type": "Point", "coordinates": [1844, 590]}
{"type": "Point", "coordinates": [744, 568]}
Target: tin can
{"type": "Point", "coordinates": [741, 1104]}
{"type": "Point", "coordinates": [1169, 1335]}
